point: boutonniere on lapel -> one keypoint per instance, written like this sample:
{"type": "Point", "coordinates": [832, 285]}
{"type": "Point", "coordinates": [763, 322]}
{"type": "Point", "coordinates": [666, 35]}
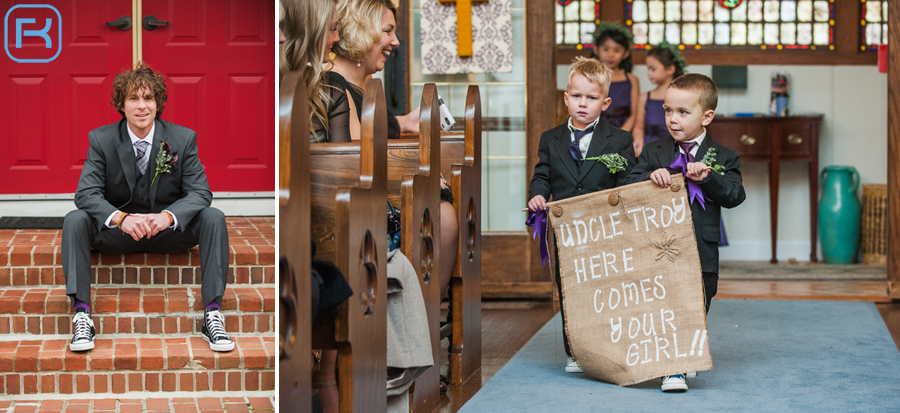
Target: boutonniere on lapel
{"type": "Point", "coordinates": [710, 160]}
{"type": "Point", "coordinates": [615, 162]}
{"type": "Point", "coordinates": [165, 160]}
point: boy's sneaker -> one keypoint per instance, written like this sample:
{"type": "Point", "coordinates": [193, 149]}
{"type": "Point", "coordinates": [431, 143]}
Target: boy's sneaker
{"type": "Point", "coordinates": [674, 384]}
{"type": "Point", "coordinates": [83, 339]}
{"type": "Point", "coordinates": [214, 331]}
{"type": "Point", "coordinates": [572, 366]}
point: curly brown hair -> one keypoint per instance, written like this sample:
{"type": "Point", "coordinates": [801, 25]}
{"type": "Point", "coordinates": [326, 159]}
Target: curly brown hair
{"type": "Point", "coordinates": [129, 82]}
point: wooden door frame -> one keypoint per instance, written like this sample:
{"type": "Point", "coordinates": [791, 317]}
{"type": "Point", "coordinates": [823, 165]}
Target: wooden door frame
{"type": "Point", "coordinates": [893, 152]}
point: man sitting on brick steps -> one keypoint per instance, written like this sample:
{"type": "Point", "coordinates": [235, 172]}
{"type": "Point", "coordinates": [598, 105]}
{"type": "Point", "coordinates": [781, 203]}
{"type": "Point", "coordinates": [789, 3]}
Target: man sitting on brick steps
{"type": "Point", "coordinates": [143, 189]}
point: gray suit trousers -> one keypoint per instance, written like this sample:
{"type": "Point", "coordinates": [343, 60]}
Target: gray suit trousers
{"type": "Point", "coordinates": [80, 234]}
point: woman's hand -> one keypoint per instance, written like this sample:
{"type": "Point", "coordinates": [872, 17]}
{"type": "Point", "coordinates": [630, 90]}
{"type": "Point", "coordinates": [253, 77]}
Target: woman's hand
{"type": "Point", "coordinates": [409, 122]}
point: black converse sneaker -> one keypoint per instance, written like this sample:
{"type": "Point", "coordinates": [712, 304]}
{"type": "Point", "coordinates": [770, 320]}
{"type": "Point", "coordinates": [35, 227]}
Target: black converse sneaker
{"type": "Point", "coordinates": [214, 331]}
{"type": "Point", "coordinates": [84, 331]}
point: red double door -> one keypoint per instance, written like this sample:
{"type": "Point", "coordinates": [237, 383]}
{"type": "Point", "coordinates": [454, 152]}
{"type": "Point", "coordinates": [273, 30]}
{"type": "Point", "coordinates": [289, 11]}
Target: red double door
{"type": "Point", "coordinates": [218, 59]}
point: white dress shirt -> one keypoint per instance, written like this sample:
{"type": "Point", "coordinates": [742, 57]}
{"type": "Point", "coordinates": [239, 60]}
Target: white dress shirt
{"type": "Point", "coordinates": [585, 141]}
{"type": "Point", "coordinates": [699, 141]}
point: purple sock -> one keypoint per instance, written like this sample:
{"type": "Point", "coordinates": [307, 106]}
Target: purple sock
{"type": "Point", "coordinates": [81, 304]}
{"type": "Point", "coordinates": [212, 306]}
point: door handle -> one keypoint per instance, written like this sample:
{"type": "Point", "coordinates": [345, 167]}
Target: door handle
{"type": "Point", "coordinates": [124, 23]}
{"type": "Point", "coordinates": [150, 23]}
{"type": "Point", "coordinates": [747, 140]}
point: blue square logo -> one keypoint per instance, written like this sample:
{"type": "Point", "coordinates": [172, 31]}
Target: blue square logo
{"type": "Point", "coordinates": [32, 33]}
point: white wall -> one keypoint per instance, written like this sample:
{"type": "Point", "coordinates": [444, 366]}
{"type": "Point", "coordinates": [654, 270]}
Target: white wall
{"type": "Point", "coordinates": [854, 132]}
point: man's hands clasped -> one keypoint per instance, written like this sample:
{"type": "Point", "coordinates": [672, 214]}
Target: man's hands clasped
{"type": "Point", "coordinates": [144, 225]}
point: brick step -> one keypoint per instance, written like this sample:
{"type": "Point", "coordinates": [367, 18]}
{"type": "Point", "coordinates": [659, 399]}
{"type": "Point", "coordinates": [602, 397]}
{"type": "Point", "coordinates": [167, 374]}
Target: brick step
{"type": "Point", "coordinates": [135, 275]}
{"type": "Point", "coordinates": [119, 365]}
{"type": "Point", "coordinates": [32, 257]}
{"type": "Point", "coordinates": [126, 310]}
{"type": "Point", "coordinates": [138, 405]}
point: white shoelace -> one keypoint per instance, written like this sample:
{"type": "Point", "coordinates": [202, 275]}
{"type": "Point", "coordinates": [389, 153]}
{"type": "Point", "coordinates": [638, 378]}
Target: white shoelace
{"type": "Point", "coordinates": [215, 325]}
{"type": "Point", "coordinates": [83, 324]}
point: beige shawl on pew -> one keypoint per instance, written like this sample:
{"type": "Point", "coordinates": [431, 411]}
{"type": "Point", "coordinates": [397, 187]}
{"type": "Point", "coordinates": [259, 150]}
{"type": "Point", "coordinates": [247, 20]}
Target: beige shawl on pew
{"type": "Point", "coordinates": [408, 338]}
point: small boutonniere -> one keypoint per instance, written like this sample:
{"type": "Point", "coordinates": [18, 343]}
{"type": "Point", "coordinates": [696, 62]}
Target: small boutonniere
{"type": "Point", "coordinates": [613, 161]}
{"type": "Point", "coordinates": [710, 160]}
{"type": "Point", "coordinates": [165, 160]}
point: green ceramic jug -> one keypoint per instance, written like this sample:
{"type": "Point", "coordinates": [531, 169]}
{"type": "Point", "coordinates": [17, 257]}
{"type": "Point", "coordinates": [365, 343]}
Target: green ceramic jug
{"type": "Point", "coordinates": [839, 211]}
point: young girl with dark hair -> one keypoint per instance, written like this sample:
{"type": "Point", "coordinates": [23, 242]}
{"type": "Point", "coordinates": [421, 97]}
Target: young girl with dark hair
{"type": "Point", "coordinates": [613, 47]}
{"type": "Point", "coordinates": [664, 64]}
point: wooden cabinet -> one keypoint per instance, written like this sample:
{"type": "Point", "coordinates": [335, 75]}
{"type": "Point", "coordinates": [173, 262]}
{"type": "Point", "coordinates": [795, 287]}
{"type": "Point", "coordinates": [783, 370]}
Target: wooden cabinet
{"type": "Point", "coordinates": [774, 139]}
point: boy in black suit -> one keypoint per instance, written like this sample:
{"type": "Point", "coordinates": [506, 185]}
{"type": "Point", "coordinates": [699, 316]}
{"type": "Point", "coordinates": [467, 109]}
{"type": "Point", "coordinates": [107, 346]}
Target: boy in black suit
{"type": "Point", "coordinates": [561, 171]}
{"type": "Point", "coordinates": [712, 171]}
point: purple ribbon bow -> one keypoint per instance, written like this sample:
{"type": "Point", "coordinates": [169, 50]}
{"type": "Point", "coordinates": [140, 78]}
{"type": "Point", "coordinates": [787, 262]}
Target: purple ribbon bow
{"type": "Point", "coordinates": [694, 191]}
{"type": "Point", "coordinates": [538, 220]}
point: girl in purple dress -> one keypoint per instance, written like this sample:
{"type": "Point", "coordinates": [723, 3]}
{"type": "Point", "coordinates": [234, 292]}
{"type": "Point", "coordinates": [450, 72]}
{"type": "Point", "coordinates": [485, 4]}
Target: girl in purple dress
{"type": "Point", "coordinates": [664, 64]}
{"type": "Point", "coordinates": [613, 47]}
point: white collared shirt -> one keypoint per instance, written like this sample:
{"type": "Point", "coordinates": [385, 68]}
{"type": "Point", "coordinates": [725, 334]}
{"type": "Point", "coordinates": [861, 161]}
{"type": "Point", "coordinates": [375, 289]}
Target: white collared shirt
{"type": "Point", "coordinates": [148, 139]}
{"type": "Point", "coordinates": [585, 141]}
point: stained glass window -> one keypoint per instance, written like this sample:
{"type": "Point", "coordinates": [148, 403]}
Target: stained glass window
{"type": "Point", "coordinates": [873, 29]}
{"type": "Point", "coordinates": [734, 24]}
{"type": "Point", "coordinates": [576, 22]}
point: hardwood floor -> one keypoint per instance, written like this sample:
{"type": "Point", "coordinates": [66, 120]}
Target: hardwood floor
{"type": "Point", "coordinates": [505, 327]}
{"type": "Point", "coordinates": [508, 325]}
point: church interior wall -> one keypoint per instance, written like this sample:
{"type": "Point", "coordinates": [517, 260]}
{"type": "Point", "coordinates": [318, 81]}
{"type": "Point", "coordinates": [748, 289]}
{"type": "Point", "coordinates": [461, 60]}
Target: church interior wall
{"type": "Point", "coordinates": [854, 132]}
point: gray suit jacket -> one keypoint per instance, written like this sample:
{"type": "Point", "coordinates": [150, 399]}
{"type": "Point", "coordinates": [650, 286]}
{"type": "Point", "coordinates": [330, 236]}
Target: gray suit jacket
{"type": "Point", "coordinates": [110, 174]}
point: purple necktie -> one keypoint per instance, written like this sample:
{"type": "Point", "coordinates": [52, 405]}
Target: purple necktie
{"type": "Point", "coordinates": [680, 165]}
{"type": "Point", "coordinates": [686, 147]}
{"type": "Point", "coordinates": [141, 159]}
{"type": "Point", "coordinates": [575, 146]}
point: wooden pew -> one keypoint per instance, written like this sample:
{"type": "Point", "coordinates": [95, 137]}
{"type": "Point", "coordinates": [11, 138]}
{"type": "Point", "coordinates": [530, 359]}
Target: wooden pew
{"type": "Point", "coordinates": [349, 224]}
{"type": "Point", "coordinates": [414, 187]}
{"type": "Point", "coordinates": [461, 166]}
{"type": "Point", "coordinates": [295, 390]}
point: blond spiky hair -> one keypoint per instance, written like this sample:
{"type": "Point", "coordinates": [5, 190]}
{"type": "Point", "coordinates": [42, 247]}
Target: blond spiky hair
{"type": "Point", "coordinates": [593, 70]}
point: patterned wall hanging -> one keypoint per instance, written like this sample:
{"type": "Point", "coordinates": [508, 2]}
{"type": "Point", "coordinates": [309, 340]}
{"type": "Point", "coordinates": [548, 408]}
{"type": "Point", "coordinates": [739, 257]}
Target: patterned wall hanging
{"type": "Point", "coordinates": [491, 38]}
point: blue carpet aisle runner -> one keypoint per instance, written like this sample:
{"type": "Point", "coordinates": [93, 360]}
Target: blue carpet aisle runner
{"type": "Point", "coordinates": [808, 356]}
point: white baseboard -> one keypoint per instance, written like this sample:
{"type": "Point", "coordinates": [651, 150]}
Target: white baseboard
{"type": "Point", "coordinates": [738, 250]}
{"type": "Point", "coordinates": [58, 205]}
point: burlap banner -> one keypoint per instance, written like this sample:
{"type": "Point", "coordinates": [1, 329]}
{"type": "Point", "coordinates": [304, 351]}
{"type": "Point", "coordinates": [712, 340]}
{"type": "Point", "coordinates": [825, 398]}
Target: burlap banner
{"type": "Point", "coordinates": [631, 282]}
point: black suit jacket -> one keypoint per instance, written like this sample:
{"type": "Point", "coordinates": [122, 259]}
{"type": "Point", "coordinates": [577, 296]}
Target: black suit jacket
{"type": "Point", "coordinates": [719, 190]}
{"type": "Point", "coordinates": [110, 174]}
{"type": "Point", "coordinates": [557, 175]}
